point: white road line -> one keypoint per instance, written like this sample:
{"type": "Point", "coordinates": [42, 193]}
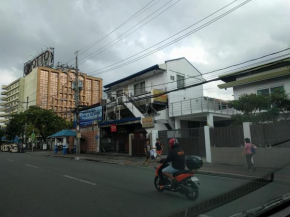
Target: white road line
{"type": "Point", "coordinates": [31, 166]}
{"type": "Point", "coordinates": [84, 181]}
{"type": "Point", "coordinates": [10, 160]}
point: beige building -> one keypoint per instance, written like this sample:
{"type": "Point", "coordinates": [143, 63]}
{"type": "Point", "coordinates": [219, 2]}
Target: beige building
{"type": "Point", "coordinates": [53, 89]}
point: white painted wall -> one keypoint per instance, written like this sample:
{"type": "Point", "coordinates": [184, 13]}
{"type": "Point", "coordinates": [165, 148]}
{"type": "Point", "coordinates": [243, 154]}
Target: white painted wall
{"type": "Point", "coordinates": [183, 67]}
{"type": "Point", "coordinates": [252, 88]}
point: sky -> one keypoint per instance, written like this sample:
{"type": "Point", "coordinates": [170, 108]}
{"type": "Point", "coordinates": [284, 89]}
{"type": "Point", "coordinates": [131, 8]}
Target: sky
{"type": "Point", "coordinates": [27, 27]}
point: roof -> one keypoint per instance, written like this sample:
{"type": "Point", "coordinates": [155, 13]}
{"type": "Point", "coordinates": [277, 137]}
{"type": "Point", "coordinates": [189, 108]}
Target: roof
{"type": "Point", "coordinates": [133, 76]}
{"type": "Point", "coordinates": [255, 69]}
{"type": "Point", "coordinates": [63, 133]}
{"type": "Point", "coordinates": [185, 60]}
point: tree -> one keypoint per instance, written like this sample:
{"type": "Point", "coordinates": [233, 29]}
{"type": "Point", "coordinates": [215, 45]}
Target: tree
{"type": "Point", "coordinates": [2, 133]}
{"type": "Point", "coordinates": [46, 122]}
{"type": "Point", "coordinates": [270, 107]}
{"type": "Point", "coordinates": [15, 126]}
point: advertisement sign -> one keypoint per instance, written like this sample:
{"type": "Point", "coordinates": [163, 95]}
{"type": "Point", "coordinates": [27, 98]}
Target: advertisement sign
{"type": "Point", "coordinates": [87, 117]}
{"type": "Point", "coordinates": [159, 99]}
{"type": "Point", "coordinates": [113, 128]}
{"type": "Point", "coordinates": [148, 122]}
{"type": "Point", "coordinates": [45, 59]}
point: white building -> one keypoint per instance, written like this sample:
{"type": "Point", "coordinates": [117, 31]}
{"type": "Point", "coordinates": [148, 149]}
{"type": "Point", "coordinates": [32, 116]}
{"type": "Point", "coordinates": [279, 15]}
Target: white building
{"type": "Point", "coordinates": [133, 98]}
{"type": "Point", "coordinates": [262, 79]}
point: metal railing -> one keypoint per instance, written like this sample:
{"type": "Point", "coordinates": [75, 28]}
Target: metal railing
{"type": "Point", "coordinates": [199, 105]}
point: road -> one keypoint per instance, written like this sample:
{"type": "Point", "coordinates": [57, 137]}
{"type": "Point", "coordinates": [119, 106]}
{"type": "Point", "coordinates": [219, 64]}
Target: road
{"type": "Point", "coordinates": [32, 185]}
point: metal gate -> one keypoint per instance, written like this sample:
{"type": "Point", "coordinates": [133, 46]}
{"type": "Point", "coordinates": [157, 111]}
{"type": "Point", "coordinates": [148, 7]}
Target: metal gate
{"type": "Point", "coordinates": [138, 146]}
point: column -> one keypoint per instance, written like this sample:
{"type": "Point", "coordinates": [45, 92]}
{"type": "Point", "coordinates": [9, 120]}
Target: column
{"type": "Point", "coordinates": [209, 119]}
{"type": "Point", "coordinates": [207, 144]}
{"type": "Point", "coordinates": [99, 139]}
{"type": "Point", "coordinates": [130, 144]}
{"type": "Point", "coordinates": [177, 124]}
{"type": "Point", "coordinates": [247, 130]}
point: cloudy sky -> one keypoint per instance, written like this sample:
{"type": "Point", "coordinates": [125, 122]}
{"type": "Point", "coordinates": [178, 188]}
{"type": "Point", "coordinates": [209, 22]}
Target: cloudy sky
{"type": "Point", "coordinates": [259, 27]}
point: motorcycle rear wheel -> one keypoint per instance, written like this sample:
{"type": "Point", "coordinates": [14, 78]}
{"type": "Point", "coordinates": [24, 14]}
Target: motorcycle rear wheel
{"type": "Point", "coordinates": [156, 184]}
{"type": "Point", "coordinates": [193, 195]}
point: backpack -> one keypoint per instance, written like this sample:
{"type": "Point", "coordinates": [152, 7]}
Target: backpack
{"type": "Point", "coordinates": [253, 149]}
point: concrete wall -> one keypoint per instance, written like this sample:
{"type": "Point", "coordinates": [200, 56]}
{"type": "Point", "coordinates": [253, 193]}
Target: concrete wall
{"type": "Point", "coordinates": [30, 87]}
{"type": "Point", "coordinates": [265, 157]}
{"type": "Point", "coordinates": [252, 88]}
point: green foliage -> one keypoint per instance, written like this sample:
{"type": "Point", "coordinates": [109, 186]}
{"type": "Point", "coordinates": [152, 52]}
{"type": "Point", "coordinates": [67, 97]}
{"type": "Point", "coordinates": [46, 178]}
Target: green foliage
{"type": "Point", "coordinates": [41, 121]}
{"type": "Point", "coordinates": [270, 107]}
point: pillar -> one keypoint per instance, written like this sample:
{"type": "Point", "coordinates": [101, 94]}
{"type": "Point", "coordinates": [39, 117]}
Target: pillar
{"type": "Point", "coordinates": [177, 124]}
{"type": "Point", "coordinates": [130, 143]}
{"type": "Point", "coordinates": [207, 144]}
{"type": "Point", "coordinates": [55, 142]}
{"type": "Point", "coordinates": [247, 130]}
{"type": "Point", "coordinates": [98, 140]}
{"type": "Point", "coordinates": [209, 119]}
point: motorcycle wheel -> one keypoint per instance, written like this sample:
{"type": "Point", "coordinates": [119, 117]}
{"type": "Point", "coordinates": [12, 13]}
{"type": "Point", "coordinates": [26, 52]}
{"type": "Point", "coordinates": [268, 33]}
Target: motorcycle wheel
{"type": "Point", "coordinates": [194, 193]}
{"type": "Point", "coordinates": [156, 184]}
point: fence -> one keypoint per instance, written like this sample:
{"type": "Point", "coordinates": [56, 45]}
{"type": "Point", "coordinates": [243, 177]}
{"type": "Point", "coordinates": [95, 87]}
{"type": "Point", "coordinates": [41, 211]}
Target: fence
{"type": "Point", "coordinates": [232, 136]}
{"type": "Point", "coordinates": [192, 141]}
{"type": "Point", "coordinates": [271, 134]}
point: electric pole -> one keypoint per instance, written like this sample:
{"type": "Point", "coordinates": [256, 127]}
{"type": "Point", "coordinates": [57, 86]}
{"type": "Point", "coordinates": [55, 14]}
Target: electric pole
{"type": "Point", "coordinates": [77, 98]}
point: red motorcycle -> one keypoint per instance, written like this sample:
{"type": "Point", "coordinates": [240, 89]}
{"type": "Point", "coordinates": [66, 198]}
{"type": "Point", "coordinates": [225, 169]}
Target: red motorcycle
{"type": "Point", "coordinates": [187, 183]}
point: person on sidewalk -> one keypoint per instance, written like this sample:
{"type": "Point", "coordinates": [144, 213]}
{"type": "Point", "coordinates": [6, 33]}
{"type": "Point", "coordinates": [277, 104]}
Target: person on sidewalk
{"type": "Point", "coordinates": [147, 148]}
{"type": "Point", "coordinates": [177, 157]}
{"type": "Point", "coordinates": [249, 150]}
{"type": "Point", "coordinates": [159, 148]}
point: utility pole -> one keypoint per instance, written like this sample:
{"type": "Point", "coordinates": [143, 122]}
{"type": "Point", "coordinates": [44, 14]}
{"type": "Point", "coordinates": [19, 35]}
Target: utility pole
{"type": "Point", "coordinates": [25, 139]}
{"type": "Point", "coordinates": [77, 98]}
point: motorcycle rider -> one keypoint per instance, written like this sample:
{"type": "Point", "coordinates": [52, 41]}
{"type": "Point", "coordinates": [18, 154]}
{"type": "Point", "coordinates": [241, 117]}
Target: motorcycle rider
{"type": "Point", "coordinates": [177, 157]}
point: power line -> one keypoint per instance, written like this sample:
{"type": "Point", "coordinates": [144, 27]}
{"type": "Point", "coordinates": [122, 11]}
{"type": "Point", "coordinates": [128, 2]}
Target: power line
{"type": "Point", "coordinates": [177, 39]}
{"type": "Point", "coordinates": [120, 38]}
{"type": "Point", "coordinates": [104, 37]}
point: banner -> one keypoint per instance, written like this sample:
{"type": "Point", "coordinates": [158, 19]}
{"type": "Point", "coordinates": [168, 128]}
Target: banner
{"type": "Point", "coordinates": [113, 128]}
{"type": "Point", "coordinates": [159, 99]}
{"type": "Point", "coordinates": [87, 117]}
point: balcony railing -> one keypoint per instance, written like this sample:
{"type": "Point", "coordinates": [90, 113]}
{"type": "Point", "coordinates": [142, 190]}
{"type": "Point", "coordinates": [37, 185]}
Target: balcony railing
{"type": "Point", "coordinates": [200, 105]}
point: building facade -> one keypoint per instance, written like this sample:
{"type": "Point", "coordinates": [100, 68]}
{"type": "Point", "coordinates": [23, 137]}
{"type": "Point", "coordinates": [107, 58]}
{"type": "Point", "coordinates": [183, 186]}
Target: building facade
{"type": "Point", "coordinates": [261, 79]}
{"type": "Point", "coordinates": [52, 89]}
{"type": "Point", "coordinates": [11, 96]}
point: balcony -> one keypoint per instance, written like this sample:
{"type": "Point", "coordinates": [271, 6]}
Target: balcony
{"type": "Point", "coordinates": [3, 115]}
{"type": "Point", "coordinates": [2, 109]}
{"type": "Point", "coordinates": [200, 105]}
{"type": "Point", "coordinates": [3, 92]}
{"type": "Point", "coordinates": [4, 87]}
{"type": "Point", "coordinates": [2, 103]}
{"type": "Point", "coordinates": [3, 98]}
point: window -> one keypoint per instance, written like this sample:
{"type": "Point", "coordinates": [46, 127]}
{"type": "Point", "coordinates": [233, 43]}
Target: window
{"type": "Point", "coordinates": [119, 93]}
{"type": "Point", "coordinates": [180, 81]}
{"type": "Point", "coordinates": [268, 91]}
{"type": "Point", "coordinates": [139, 88]}
{"type": "Point", "coordinates": [172, 77]}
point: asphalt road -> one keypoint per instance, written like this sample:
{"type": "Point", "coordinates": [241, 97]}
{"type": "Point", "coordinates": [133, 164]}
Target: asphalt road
{"type": "Point", "coordinates": [32, 185]}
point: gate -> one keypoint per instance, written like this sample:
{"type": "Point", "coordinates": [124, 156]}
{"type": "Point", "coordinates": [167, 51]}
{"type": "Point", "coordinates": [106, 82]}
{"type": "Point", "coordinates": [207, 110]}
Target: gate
{"type": "Point", "coordinates": [231, 136]}
{"type": "Point", "coordinates": [271, 134]}
{"type": "Point", "coordinates": [138, 145]}
{"type": "Point", "coordinates": [192, 141]}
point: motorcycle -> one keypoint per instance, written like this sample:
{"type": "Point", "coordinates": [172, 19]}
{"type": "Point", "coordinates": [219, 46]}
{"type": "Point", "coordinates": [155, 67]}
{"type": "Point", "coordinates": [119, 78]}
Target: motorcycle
{"type": "Point", "coordinates": [187, 183]}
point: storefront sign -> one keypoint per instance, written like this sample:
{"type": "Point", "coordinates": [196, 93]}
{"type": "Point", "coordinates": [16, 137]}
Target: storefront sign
{"type": "Point", "coordinates": [45, 59]}
{"type": "Point", "coordinates": [113, 128]}
{"type": "Point", "coordinates": [160, 99]}
{"type": "Point", "coordinates": [87, 117]}
{"type": "Point", "coordinates": [147, 122]}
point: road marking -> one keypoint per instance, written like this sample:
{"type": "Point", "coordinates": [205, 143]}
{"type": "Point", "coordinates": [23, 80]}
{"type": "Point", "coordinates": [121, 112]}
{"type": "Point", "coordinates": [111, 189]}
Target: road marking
{"type": "Point", "coordinates": [31, 166]}
{"type": "Point", "coordinates": [84, 181]}
{"type": "Point", "coordinates": [10, 160]}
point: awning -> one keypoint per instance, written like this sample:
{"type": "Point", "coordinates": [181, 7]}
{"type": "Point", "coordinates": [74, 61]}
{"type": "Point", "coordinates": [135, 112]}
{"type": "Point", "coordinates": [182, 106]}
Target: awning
{"type": "Point", "coordinates": [255, 79]}
{"type": "Point", "coordinates": [63, 133]}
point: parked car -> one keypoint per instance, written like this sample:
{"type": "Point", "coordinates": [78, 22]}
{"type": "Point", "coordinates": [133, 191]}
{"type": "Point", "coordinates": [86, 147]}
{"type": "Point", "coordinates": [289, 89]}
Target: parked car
{"type": "Point", "coordinates": [5, 148]}
{"type": "Point", "coordinates": [14, 148]}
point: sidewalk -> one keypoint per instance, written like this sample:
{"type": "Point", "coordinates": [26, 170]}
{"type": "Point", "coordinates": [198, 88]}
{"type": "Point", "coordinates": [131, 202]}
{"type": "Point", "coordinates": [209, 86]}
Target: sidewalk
{"type": "Point", "coordinates": [229, 171]}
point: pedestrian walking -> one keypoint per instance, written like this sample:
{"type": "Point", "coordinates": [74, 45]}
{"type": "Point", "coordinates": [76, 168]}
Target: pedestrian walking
{"type": "Point", "coordinates": [159, 148]}
{"type": "Point", "coordinates": [147, 148]}
{"type": "Point", "coordinates": [249, 150]}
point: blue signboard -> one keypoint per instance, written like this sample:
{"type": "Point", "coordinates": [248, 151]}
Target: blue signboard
{"type": "Point", "coordinates": [87, 117]}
